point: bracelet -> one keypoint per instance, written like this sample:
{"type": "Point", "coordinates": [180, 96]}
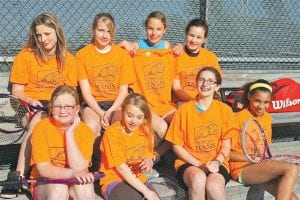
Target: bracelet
{"type": "Point", "coordinates": [218, 161]}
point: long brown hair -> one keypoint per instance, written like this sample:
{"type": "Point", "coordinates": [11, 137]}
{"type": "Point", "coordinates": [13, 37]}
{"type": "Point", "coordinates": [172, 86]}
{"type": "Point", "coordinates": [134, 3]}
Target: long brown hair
{"type": "Point", "coordinates": [51, 21]}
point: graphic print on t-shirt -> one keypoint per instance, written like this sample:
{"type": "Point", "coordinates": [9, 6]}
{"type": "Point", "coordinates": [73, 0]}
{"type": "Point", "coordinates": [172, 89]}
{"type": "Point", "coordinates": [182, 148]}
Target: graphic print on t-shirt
{"type": "Point", "coordinates": [49, 79]}
{"type": "Point", "coordinates": [134, 156]}
{"type": "Point", "coordinates": [58, 156]}
{"type": "Point", "coordinates": [189, 79]}
{"type": "Point", "coordinates": [205, 136]}
{"type": "Point", "coordinates": [154, 75]}
{"type": "Point", "coordinates": [104, 77]}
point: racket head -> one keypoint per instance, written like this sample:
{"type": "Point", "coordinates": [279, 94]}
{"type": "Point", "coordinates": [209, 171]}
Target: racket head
{"type": "Point", "coordinates": [254, 143]}
{"type": "Point", "coordinates": [288, 158]}
{"type": "Point", "coordinates": [168, 188]}
{"type": "Point", "coordinates": [14, 119]}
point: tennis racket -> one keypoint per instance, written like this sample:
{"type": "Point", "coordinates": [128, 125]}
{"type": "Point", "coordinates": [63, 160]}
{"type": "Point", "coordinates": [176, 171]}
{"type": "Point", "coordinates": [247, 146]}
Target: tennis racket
{"type": "Point", "coordinates": [167, 188]}
{"type": "Point", "coordinates": [255, 145]}
{"type": "Point", "coordinates": [20, 181]}
{"type": "Point", "coordinates": [15, 116]}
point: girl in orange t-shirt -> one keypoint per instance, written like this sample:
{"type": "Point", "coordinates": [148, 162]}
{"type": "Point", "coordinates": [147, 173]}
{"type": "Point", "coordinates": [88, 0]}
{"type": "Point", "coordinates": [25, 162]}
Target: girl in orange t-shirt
{"type": "Point", "coordinates": [277, 177]}
{"type": "Point", "coordinates": [201, 136]}
{"type": "Point", "coordinates": [127, 153]}
{"type": "Point", "coordinates": [109, 71]}
{"type": "Point", "coordinates": [154, 69]}
{"type": "Point", "coordinates": [41, 66]}
{"type": "Point", "coordinates": [61, 148]}
{"type": "Point", "coordinates": [191, 61]}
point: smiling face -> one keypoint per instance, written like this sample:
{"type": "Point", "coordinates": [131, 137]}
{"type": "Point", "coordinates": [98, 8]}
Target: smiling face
{"type": "Point", "coordinates": [133, 117]}
{"type": "Point", "coordinates": [102, 35]}
{"type": "Point", "coordinates": [47, 38]}
{"type": "Point", "coordinates": [259, 102]}
{"type": "Point", "coordinates": [207, 84]}
{"type": "Point", "coordinates": [155, 30]}
{"type": "Point", "coordinates": [64, 109]}
{"type": "Point", "coordinates": [195, 38]}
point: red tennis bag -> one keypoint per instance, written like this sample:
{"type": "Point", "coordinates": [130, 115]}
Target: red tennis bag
{"type": "Point", "coordinates": [286, 96]}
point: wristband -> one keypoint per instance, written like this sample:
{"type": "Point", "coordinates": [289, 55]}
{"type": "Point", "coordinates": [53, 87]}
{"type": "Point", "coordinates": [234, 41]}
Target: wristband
{"type": "Point", "coordinates": [218, 161]}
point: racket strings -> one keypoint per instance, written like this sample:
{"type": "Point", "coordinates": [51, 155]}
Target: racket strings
{"type": "Point", "coordinates": [13, 119]}
{"type": "Point", "coordinates": [167, 188]}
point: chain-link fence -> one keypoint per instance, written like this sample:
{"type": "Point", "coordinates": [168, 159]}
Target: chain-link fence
{"type": "Point", "coordinates": [246, 34]}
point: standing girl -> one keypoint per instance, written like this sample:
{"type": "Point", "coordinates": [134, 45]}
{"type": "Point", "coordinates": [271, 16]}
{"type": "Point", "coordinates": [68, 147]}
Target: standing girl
{"type": "Point", "coordinates": [62, 148]}
{"type": "Point", "coordinates": [193, 59]}
{"type": "Point", "coordinates": [201, 135]}
{"type": "Point", "coordinates": [277, 177]}
{"type": "Point", "coordinates": [127, 153]}
{"type": "Point", "coordinates": [42, 65]}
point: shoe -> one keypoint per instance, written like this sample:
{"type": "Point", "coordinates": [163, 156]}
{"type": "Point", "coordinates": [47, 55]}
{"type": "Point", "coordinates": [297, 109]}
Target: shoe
{"type": "Point", "coordinates": [11, 191]}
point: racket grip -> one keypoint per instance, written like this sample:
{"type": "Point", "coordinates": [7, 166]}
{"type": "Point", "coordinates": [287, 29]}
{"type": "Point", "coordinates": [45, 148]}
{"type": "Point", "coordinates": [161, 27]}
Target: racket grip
{"type": "Point", "coordinates": [97, 176]}
{"type": "Point", "coordinates": [37, 108]}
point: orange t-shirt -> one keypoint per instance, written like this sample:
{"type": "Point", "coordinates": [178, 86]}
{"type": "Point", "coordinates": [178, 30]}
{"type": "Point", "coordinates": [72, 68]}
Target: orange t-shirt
{"type": "Point", "coordinates": [201, 133]}
{"type": "Point", "coordinates": [48, 144]}
{"type": "Point", "coordinates": [106, 72]}
{"type": "Point", "coordinates": [242, 117]}
{"type": "Point", "coordinates": [118, 147]}
{"type": "Point", "coordinates": [40, 79]}
{"type": "Point", "coordinates": [154, 70]}
{"type": "Point", "coordinates": [187, 68]}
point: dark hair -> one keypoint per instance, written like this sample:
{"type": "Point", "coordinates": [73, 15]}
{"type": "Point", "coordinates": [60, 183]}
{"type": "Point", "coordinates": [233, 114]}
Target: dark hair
{"type": "Point", "coordinates": [252, 87]}
{"type": "Point", "coordinates": [217, 75]}
{"type": "Point", "coordinates": [157, 15]}
{"type": "Point", "coordinates": [199, 23]}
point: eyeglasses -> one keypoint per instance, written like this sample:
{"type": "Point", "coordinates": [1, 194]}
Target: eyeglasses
{"type": "Point", "coordinates": [60, 107]}
{"type": "Point", "coordinates": [208, 81]}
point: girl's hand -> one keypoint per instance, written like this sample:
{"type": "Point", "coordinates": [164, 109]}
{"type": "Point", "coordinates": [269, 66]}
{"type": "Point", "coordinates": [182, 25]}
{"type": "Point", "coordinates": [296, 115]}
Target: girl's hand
{"type": "Point", "coordinates": [83, 177]}
{"type": "Point", "coordinates": [146, 165]}
{"type": "Point", "coordinates": [35, 103]}
{"type": "Point", "coordinates": [105, 121]}
{"type": "Point", "coordinates": [73, 126]}
{"type": "Point", "coordinates": [177, 49]}
{"type": "Point", "coordinates": [151, 195]}
{"type": "Point", "coordinates": [213, 166]}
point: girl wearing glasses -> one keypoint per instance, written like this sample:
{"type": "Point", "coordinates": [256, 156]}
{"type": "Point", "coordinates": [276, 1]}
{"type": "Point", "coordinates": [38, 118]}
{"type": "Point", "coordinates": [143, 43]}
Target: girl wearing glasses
{"type": "Point", "coordinates": [41, 66]}
{"type": "Point", "coordinates": [201, 136]}
{"type": "Point", "coordinates": [62, 148]}
{"type": "Point", "coordinates": [191, 61]}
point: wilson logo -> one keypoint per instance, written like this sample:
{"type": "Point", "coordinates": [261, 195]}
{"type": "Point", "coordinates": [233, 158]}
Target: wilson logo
{"type": "Point", "coordinates": [279, 104]}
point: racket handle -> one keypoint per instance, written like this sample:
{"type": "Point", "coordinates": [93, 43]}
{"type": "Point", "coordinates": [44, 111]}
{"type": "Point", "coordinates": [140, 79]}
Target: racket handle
{"type": "Point", "coordinates": [97, 176]}
{"type": "Point", "coordinates": [37, 108]}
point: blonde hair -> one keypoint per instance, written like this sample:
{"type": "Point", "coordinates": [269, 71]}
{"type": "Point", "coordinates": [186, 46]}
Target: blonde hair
{"type": "Point", "coordinates": [108, 20]}
{"type": "Point", "coordinates": [51, 21]}
{"type": "Point", "coordinates": [140, 101]}
{"type": "Point", "coordinates": [63, 89]}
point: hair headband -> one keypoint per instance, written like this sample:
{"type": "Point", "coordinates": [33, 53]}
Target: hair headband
{"type": "Point", "coordinates": [257, 85]}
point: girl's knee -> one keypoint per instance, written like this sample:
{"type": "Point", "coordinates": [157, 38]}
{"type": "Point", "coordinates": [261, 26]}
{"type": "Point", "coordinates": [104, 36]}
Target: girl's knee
{"type": "Point", "coordinates": [195, 181]}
